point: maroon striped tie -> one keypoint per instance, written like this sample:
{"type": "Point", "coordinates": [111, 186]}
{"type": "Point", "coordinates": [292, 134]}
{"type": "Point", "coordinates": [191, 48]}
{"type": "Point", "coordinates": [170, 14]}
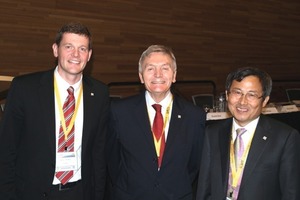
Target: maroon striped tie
{"type": "Point", "coordinates": [63, 145]}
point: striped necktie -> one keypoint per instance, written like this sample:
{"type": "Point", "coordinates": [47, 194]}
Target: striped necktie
{"type": "Point", "coordinates": [239, 146]}
{"type": "Point", "coordinates": [67, 145]}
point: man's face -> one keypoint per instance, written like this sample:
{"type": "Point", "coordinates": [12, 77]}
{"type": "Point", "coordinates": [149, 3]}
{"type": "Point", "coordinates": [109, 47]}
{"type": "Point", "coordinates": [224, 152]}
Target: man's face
{"type": "Point", "coordinates": [158, 73]}
{"type": "Point", "coordinates": [244, 100]}
{"type": "Point", "coordinates": [72, 54]}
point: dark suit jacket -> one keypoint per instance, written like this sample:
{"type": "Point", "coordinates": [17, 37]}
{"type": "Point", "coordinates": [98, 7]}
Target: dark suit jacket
{"type": "Point", "coordinates": [27, 138]}
{"type": "Point", "coordinates": [132, 156]}
{"type": "Point", "coordinates": [272, 167]}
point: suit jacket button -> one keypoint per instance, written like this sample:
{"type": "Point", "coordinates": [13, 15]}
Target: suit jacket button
{"type": "Point", "coordinates": [45, 194]}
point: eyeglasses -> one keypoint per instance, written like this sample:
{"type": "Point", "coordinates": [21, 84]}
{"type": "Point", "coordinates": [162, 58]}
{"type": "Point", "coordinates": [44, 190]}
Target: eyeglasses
{"type": "Point", "coordinates": [250, 96]}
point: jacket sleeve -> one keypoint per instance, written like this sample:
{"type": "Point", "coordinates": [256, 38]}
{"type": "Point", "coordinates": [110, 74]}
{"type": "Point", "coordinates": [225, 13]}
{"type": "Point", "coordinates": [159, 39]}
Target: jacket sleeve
{"type": "Point", "coordinates": [10, 127]}
{"type": "Point", "coordinates": [204, 184]}
{"type": "Point", "coordinates": [289, 173]}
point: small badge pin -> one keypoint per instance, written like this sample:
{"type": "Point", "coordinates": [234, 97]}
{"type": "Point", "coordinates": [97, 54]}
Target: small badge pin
{"type": "Point", "coordinates": [92, 94]}
{"type": "Point", "coordinates": [265, 138]}
{"type": "Point", "coordinates": [179, 116]}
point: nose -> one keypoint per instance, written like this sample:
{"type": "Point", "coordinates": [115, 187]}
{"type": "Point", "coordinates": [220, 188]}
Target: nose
{"type": "Point", "coordinates": [157, 73]}
{"type": "Point", "coordinates": [243, 99]}
{"type": "Point", "coordinates": [75, 52]}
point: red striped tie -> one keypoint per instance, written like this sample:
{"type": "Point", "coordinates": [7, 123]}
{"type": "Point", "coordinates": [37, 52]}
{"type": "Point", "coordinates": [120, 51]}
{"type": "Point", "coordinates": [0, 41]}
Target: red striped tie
{"type": "Point", "coordinates": [157, 128]}
{"type": "Point", "coordinates": [63, 145]}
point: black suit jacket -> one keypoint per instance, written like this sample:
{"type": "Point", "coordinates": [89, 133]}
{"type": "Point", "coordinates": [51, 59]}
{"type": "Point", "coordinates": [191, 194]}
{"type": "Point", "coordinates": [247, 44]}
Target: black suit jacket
{"type": "Point", "coordinates": [272, 169]}
{"type": "Point", "coordinates": [27, 138]}
{"type": "Point", "coordinates": [132, 156]}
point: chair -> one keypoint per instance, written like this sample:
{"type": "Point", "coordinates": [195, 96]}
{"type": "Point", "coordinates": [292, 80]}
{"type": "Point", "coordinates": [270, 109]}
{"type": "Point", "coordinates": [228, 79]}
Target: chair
{"type": "Point", "coordinates": [6, 78]}
{"type": "Point", "coordinates": [115, 97]}
{"type": "Point", "coordinates": [203, 99]}
{"type": "Point", "coordinates": [4, 83]}
{"type": "Point", "coordinates": [293, 94]}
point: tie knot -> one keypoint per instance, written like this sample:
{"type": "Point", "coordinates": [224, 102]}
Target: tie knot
{"type": "Point", "coordinates": [157, 107]}
{"type": "Point", "coordinates": [70, 90]}
{"type": "Point", "coordinates": [240, 131]}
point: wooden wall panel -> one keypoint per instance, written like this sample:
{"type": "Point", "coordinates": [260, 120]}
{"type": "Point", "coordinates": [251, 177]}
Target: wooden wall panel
{"type": "Point", "coordinates": [209, 38]}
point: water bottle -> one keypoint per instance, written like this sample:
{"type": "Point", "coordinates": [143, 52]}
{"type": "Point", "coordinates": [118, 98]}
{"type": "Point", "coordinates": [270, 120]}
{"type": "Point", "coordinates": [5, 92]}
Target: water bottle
{"type": "Point", "coordinates": [222, 103]}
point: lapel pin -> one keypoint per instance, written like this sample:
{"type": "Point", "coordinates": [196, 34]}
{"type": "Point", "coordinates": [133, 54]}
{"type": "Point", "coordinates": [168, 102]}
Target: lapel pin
{"type": "Point", "coordinates": [92, 94]}
{"type": "Point", "coordinates": [179, 116]}
{"type": "Point", "coordinates": [265, 138]}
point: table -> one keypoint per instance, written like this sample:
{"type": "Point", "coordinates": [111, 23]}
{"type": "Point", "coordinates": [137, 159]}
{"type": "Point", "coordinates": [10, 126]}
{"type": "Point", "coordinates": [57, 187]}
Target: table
{"type": "Point", "coordinates": [290, 118]}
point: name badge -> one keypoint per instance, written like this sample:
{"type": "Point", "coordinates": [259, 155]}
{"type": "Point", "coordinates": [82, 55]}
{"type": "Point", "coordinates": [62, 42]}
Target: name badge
{"type": "Point", "coordinates": [269, 110]}
{"type": "Point", "coordinates": [289, 108]}
{"type": "Point", "coordinates": [217, 115]}
{"type": "Point", "coordinates": [66, 161]}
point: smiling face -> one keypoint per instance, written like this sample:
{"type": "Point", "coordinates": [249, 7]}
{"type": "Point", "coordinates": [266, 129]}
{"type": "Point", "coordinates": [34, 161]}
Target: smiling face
{"type": "Point", "coordinates": [158, 74]}
{"type": "Point", "coordinates": [72, 53]}
{"type": "Point", "coordinates": [242, 108]}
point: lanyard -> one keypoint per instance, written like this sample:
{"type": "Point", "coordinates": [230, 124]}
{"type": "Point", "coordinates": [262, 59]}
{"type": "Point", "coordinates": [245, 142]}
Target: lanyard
{"type": "Point", "coordinates": [66, 129]}
{"type": "Point", "coordinates": [236, 173]}
{"type": "Point", "coordinates": [166, 118]}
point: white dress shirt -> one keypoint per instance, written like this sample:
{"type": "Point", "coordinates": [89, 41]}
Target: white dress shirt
{"type": "Point", "coordinates": [167, 101]}
{"type": "Point", "coordinates": [62, 87]}
{"type": "Point", "coordinates": [248, 135]}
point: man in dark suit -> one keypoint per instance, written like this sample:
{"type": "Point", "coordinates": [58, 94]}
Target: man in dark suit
{"type": "Point", "coordinates": [142, 165]}
{"type": "Point", "coordinates": [32, 167]}
{"type": "Point", "coordinates": [262, 161]}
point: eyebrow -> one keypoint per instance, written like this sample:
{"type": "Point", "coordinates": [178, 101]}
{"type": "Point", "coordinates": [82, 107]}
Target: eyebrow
{"type": "Point", "coordinates": [255, 91]}
{"type": "Point", "coordinates": [154, 65]}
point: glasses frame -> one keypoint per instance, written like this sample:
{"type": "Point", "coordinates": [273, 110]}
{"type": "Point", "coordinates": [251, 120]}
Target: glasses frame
{"type": "Point", "coordinates": [250, 96]}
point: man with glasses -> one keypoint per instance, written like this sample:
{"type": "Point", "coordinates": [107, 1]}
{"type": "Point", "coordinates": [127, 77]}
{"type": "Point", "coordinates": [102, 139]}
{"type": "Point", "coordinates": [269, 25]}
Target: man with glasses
{"type": "Point", "coordinates": [249, 156]}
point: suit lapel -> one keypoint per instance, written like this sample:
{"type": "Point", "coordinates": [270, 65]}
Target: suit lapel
{"type": "Point", "coordinates": [224, 146]}
{"type": "Point", "coordinates": [258, 144]}
{"type": "Point", "coordinates": [46, 95]}
{"type": "Point", "coordinates": [88, 107]}
{"type": "Point", "coordinates": [142, 118]}
{"type": "Point", "coordinates": [175, 125]}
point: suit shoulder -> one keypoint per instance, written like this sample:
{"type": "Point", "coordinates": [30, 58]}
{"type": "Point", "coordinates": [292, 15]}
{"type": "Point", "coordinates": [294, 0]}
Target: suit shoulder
{"type": "Point", "coordinates": [186, 103]}
{"type": "Point", "coordinates": [189, 106]}
{"type": "Point", "coordinates": [276, 124]}
{"type": "Point", "coordinates": [128, 101]}
{"type": "Point", "coordinates": [28, 82]}
{"type": "Point", "coordinates": [35, 76]}
{"type": "Point", "coordinates": [95, 81]}
{"type": "Point", "coordinates": [214, 125]}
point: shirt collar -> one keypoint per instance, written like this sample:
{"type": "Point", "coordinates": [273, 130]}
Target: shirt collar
{"type": "Point", "coordinates": [164, 103]}
{"type": "Point", "coordinates": [64, 85]}
{"type": "Point", "coordinates": [249, 127]}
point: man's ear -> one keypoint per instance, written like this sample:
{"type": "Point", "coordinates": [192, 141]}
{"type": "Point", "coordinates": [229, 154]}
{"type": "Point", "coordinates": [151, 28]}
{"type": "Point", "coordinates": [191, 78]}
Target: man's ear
{"type": "Point", "coordinates": [141, 78]}
{"type": "Point", "coordinates": [55, 50]}
{"type": "Point", "coordinates": [265, 101]}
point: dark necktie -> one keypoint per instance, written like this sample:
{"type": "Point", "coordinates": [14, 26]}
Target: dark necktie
{"type": "Point", "coordinates": [67, 145]}
{"type": "Point", "coordinates": [157, 129]}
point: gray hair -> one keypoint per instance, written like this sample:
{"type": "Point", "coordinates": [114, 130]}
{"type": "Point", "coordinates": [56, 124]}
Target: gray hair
{"type": "Point", "coordinates": [157, 49]}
